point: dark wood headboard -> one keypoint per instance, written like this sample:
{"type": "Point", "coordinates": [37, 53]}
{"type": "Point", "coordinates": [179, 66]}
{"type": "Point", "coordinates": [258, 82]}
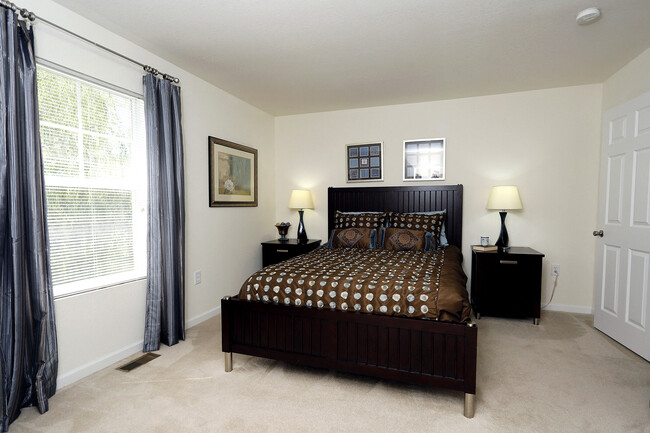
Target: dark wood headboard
{"type": "Point", "coordinates": [402, 199]}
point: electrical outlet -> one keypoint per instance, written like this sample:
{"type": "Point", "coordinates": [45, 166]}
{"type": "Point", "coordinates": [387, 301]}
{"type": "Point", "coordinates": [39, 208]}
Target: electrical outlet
{"type": "Point", "coordinates": [555, 270]}
{"type": "Point", "coordinates": [197, 277]}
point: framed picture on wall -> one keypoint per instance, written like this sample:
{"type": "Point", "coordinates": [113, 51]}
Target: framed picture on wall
{"type": "Point", "coordinates": [424, 159]}
{"type": "Point", "coordinates": [364, 161]}
{"type": "Point", "coordinates": [233, 173]}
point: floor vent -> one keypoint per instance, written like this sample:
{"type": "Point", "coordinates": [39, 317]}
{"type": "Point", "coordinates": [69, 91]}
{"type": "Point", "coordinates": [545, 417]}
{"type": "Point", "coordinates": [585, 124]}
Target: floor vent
{"type": "Point", "coordinates": [138, 362]}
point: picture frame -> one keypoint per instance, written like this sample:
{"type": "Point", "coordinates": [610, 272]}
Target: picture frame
{"type": "Point", "coordinates": [364, 162]}
{"type": "Point", "coordinates": [232, 173]}
{"type": "Point", "coordinates": [424, 159]}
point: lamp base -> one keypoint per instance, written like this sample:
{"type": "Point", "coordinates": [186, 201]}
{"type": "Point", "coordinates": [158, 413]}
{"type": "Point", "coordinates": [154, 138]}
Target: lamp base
{"type": "Point", "coordinates": [302, 233]}
{"type": "Point", "coordinates": [502, 242]}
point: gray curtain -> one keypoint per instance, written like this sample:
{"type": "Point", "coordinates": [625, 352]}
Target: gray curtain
{"type": "Point", "coordinates": [165, 314]}
{"type": "Point", "coordinates": [28, 347]}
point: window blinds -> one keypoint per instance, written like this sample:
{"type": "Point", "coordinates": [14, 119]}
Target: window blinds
{"type": "Point", "coordinates": [93, 145]}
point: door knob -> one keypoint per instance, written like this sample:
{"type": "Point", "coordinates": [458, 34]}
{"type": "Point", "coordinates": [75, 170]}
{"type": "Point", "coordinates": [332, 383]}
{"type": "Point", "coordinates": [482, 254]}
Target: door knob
{"type": "Point", "coordinates": [598, 233]}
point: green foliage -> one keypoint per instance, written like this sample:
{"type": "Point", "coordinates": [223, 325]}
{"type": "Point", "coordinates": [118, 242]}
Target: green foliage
{"type": "Point", "coordinates": [60, 152]}
{"type": "Point", "coordinates": [57, 99]}
{"type": "Point", "coordinates": [105, 113]}
{"type": "Point", "coordinates": [105, 158]}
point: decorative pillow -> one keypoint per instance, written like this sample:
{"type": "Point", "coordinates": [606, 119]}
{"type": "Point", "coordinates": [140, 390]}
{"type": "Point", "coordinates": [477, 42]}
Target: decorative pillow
{"type": "Point", "coordinates": [353, 238]}
{"type": "Point", "coordinates": [370, 220]}
{"type": "Point", "coordinates": [414, 221]}
{"type": "Point", "coordinates": [395, 239]}
{"type": "Point", "coordinates": [443, 233]}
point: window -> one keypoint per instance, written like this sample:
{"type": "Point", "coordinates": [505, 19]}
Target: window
{"type": "Point", "coordinates": [94, 159]}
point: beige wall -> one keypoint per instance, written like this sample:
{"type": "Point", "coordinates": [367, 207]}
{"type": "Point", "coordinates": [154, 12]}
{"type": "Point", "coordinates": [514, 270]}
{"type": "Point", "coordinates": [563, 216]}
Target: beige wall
{"type": "Point", "coordinates": [101, 327]}
{"type": "Point", "coordinates": [546, 142]}
{"type": "Point", "coordinates": [628, 82]}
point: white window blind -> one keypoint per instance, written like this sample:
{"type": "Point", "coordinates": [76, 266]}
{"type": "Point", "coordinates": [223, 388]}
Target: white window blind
{"type": "Point", "coordinates": [94, 158]}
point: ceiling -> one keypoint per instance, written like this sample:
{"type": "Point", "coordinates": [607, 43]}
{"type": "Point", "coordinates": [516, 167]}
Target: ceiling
{"type": "Point", "coordinates": [299, 56]}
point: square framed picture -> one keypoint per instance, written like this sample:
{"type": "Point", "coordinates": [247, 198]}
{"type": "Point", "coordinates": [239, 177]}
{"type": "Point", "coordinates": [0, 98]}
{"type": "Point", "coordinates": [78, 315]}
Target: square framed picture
{"type": "Point", "coordinates": [233, 173]}
{"type": "Point", "coordinates": [365, 161]}
{"type": "Point", "coordinates": [424, 159]}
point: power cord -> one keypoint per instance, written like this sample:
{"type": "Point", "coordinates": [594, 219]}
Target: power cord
{"type": "Point", "coordinates": [552, 293]}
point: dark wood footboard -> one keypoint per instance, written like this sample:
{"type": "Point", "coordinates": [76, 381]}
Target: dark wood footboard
{"type": "Point", "coordinates": [410, 350]}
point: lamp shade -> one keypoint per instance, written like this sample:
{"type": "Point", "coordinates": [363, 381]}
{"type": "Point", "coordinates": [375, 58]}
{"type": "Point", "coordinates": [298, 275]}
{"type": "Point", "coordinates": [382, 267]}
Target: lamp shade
{"type": "Point", "coordinates": [301, 199]}
{"type": "Point", "coordinates": [504, 197]}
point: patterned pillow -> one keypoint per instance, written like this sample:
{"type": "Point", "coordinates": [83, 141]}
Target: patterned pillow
{"type": "Point", "coordinates": [353, 238]}
{"type": "Point", "coordinates": [443, 233]}
{"type": "Point", "coordinates": [371, 220]}
{"type": "Point", "coordinates": [395, 239]}
{"type": "Point", "coordinates": [412, 221]}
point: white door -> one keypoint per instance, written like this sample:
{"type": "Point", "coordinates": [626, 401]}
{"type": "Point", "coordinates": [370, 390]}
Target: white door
{"type": "Point", "coordinates": [622, 301]}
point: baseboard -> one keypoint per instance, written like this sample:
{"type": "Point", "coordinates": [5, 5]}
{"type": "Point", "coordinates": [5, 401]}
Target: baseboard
{"type": "Point", "coordinates": [570, 308]}
{"type": "Point", "coordinates": [202, 317]}
{"type": "Point", "coordinates": [94, 366]}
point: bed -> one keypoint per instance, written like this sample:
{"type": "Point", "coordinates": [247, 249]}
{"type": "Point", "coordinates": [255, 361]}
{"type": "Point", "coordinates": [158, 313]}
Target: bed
{"type": "Point", "coordinates": [414, 350]}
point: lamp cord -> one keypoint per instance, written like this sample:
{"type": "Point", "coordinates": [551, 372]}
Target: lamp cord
{"type": "Point", "coordinates": [552, 293]}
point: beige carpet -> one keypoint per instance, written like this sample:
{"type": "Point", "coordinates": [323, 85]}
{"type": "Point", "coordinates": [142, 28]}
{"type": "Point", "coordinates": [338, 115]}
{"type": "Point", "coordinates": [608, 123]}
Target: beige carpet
{"type": "Point", "coordinates": [562, 376]}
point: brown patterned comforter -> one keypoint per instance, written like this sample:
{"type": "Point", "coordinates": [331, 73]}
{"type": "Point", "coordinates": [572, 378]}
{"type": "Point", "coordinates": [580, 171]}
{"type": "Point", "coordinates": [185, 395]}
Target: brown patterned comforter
{"type": "Point", "coordinates": [396, 283]}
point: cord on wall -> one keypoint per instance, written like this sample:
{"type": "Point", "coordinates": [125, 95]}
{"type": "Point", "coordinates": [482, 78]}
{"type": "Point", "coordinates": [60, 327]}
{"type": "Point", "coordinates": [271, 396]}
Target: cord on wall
{"type": "Point", "coordinates": [552, 293]}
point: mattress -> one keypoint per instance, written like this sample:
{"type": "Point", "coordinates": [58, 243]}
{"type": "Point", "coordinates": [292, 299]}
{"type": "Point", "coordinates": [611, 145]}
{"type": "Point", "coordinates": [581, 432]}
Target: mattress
{"type": "Point", "coordinates": [417, 284]}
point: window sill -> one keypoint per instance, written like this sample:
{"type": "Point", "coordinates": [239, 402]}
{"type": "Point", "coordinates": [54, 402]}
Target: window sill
{"type": "Point", "coordinates": [87, 286]}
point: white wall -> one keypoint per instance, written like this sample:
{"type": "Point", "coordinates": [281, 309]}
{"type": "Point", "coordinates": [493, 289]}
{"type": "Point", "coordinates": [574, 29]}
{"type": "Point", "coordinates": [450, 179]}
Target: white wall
{"type": "Point", "coordinates": [101, 327]}
{"type": "Point", "coordinates": [628, 82]}
{"type": "Point", "coordinates": [546, 142]}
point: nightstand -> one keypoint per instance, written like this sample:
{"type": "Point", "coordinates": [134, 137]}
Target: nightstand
{"type": "Point", "coordinates": [276, 251]}
{"type": "Point", "coordinates": [507, 284]}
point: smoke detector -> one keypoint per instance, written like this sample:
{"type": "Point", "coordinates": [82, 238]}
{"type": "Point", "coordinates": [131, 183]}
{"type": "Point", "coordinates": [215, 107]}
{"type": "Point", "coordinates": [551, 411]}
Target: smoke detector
{"type": "Point", "coordinates": [588, 16]}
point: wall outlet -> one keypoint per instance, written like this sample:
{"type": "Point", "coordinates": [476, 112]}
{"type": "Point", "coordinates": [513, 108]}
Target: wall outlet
{"type": "Point", "coordinates": [197, 277]}
{"type": "Point", "coordinates": [555, 270]}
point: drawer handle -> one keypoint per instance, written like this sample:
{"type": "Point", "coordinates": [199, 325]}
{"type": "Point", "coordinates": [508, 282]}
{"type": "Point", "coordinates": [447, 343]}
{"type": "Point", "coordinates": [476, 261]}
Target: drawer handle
{"type": "Point", "coordinates": [508, 262]}
{"type": "Point", "coordinates": [282, 251]}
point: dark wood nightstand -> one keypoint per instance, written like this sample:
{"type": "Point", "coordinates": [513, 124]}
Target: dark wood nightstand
{"type": "Point", "coordinates": [507, 284]}
{"type": "Point", "coordinates": [276, 251]}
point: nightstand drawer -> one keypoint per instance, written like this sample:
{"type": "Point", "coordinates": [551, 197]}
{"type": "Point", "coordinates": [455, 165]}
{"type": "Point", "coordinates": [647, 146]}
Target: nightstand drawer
{"type": "Point", "coordinates": [279, 250]}
{"type": "Point", "coordinates": [273, 254]}
{"type": "Point", "coordinates": [507, 290]}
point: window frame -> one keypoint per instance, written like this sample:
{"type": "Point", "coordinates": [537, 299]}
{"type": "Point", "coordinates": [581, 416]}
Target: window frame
{"type": "Point", "coordinates": [96, 283]}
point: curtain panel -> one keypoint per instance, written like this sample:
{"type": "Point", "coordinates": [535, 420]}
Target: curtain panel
{"type": "Point", "coordinates": [28, 344]}
{"type": "Point", "coordinates": [165, 308]}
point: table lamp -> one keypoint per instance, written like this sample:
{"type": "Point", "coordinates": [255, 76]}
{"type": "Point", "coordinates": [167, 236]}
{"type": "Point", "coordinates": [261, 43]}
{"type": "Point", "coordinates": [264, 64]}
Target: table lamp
{"type": "Point", "coordinates": [504, 197]}
{"type": "Point", "coordinates": [301, 199]}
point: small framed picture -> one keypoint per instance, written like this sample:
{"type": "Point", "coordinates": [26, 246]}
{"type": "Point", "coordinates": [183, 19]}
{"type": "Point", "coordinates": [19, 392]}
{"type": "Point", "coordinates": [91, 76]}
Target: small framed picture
{"type": "Point", "coordinates": [365, 162]}
{"type": "Point", "coordinates": [424, 159]}
{"type": "Point", "coordinates": [233, 173]}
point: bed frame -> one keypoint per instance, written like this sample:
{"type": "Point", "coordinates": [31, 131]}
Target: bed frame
{"type": "Point", "coordinates": [410, 350]}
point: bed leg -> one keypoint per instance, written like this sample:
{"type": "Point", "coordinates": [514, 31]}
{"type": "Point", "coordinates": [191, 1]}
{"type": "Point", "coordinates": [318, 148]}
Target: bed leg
{"type": "Point", "coordinates": [228, 356]}
{"type": "Point", "coordinates": [536, 321]}
{"type": "Point", "coordinates": [469, 405]}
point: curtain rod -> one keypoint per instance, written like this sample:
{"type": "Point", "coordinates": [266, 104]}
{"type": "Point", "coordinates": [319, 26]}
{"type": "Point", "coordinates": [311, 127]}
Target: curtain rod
{"type": "Point", "coordinates": [31, 16]}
